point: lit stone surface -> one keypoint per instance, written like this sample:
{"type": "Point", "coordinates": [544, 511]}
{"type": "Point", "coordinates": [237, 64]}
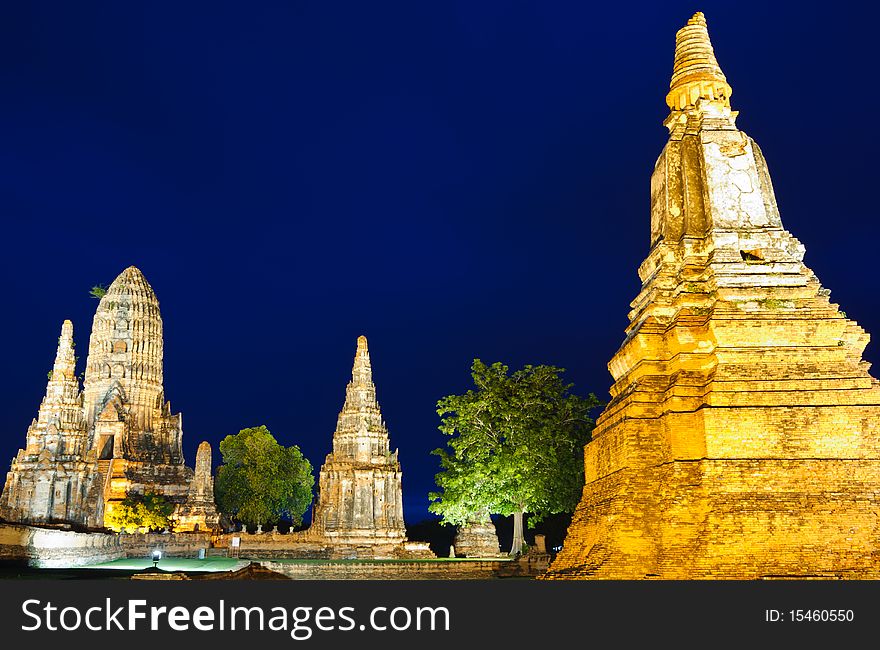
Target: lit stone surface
{"type": "Point", "coordinates": [360, 492]}
{"type": "Point", "coordinates": [54, 478]}
{"type": "Point", "coordinates": [199, 512]}
{"type": "Point", "coordinates": [359, 511]}
{"type": "Point", "coordinates": [136, 437]}
{"type": "Point", "coordinates": [477, 539]}
{"type": "Point", "coordinates": [88, 449]}
{"type": "Point", "coordinates": [742, 437]}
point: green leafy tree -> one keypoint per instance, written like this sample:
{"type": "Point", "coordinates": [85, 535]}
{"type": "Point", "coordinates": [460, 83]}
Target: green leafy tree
{"type": "Point", "coordinates": [141, 511]}
{"type": "Point", "coordinates": [515, 448]}
{"type": "Point", "coordinates": [98, 291]}
{"type": "Point", "coordinates": [261, 481]}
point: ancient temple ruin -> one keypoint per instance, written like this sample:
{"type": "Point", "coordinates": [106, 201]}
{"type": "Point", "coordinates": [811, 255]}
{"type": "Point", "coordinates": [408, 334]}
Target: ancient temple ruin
{"type": "Point", "coordinates": [359, 510]}
{"type": "Point", "coordinates": [743, 435]}
{"type": "Point", "coordinates": [360, 494]}
{"type": "Point", "coordinates": [88, 449]}
{"type": "Point", "coordinates": [199, 512]}
{"type": "Point", "coordinates": [477, 539]}
{"type": "Point", "coordinates": [55, 478]}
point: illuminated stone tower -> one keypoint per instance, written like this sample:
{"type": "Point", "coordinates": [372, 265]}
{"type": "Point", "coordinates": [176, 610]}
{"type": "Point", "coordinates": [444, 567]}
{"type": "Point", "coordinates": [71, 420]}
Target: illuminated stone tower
{"type": "Point", "coordinates": [743, 435]}
{"type": "Point", "coordinates": [135, 436]}
{"type": "Point", "coordinates": [199, 511]}
{"type": "Point", "coordinates": [360, 494]}
{"type": "Point", "coordinates": [123, 381]}
{"type": "Point", "coordinates": [50, 481]}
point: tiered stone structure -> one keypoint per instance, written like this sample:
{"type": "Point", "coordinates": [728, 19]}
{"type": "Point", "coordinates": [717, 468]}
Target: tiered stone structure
{"type": "Point", "coordinates": [743, 435]}
{"type": "Point", "coordinates": [119, 434]}
{"type": "Point", "coordinates": [360, 493]}
{"type": "Point", "coordinates": [54, 477]}
{"type": "Point", "coordinates": [359, 511]}
{"type": "Point", "coordinates": [136, 437]}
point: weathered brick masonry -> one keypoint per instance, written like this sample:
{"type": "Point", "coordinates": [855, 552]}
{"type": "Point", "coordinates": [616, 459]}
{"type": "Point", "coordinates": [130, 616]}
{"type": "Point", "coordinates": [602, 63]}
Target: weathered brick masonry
{"type": "Point", "coordinates": [742, 438]}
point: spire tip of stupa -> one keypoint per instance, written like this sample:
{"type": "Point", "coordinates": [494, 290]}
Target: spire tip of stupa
{"type": "Point", "coordinates": [696, 74]}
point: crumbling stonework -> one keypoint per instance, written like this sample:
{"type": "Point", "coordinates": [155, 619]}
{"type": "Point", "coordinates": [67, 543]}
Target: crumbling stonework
{"type": "Point", "coordinates": [359, 512]}
{"type": "Point", "coordinates": [742, 438]}
{"type": "Point", "coordinates": [88, 449]}
{"type": "Point", "coordinates": [199, 512]}
{"type": "Point", "coordinates": [136, 437]}
{"type": "Point", "coordinates": [360, 491]}
{"type": "Point", "coordinates": [477, 539]}
{"type": "Point", "coordinates": [55, 477]}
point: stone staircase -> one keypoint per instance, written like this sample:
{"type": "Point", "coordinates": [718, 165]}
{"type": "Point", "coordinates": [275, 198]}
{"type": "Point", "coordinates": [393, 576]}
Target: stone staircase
{"type": "Point", "coordinates": [104, 467]}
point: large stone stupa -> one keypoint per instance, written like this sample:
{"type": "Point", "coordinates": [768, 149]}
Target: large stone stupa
{"type": "Point", "coordinates": [743, 435]}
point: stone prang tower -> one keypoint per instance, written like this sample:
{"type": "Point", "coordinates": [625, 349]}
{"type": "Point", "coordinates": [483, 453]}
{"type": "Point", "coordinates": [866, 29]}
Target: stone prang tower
{"type": "Point", "coordinates": [54, 479]}
{"type": "Point", "coordinates": [123, 396]}
{"type": "Point", "coordinates": [742, 439]}
{"type": "Point", "coordinates": [360, 494]}
{"type": "Point", "coordinates": [136, 437]}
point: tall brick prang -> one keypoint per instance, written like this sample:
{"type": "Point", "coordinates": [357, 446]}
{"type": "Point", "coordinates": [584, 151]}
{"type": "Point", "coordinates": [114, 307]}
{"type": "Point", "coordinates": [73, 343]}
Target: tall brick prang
{"type": "Point", "coordinates": [742, 439]}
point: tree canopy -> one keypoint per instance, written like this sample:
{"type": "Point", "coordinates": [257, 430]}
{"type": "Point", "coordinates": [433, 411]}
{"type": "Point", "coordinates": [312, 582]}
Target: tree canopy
{"type": "Point", "coordinates": [137, 511]}
{"type": "Point", "coordinates": [261, 481]}
{"type": "Point", "coordinates": [516, 446]}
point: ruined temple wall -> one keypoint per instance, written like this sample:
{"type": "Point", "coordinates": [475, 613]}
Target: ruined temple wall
{"type": "Point", "coordinates": [418, 570]}
{"type": "Point", "coordinates": [770, 518]}
{"type": "Point", "coordinates": [48, 548]}
{"type": "Point", "coordinates": [55, 494]}
{"type": "Point", "coordinates": [744, 431]}
{"type": "Point", "coordinates": [313, 544]}
{"type": "Point", "coordinates": [477, 540]}
{"type": "Point", "coordinates": [179, 544]}
{"type": "Point", "coordinates": [171, 481]}
{"type": "Point", "coordinates": [731, 519]}
{"type": "Point", "coordinates": [54, 548]}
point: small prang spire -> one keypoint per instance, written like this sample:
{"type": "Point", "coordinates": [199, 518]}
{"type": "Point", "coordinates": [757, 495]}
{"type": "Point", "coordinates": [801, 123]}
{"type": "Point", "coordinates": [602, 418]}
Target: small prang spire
{"type": "Point", "coordinates": [695, 73]}
{"type": "Point", "coordinates": [362, 372]}
{"type": "Point", "coordinates": [65, 357]}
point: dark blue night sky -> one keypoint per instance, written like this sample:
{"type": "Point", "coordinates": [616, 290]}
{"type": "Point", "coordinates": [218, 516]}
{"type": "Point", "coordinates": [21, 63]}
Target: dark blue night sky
{"type": "Point", "coordinates": [451, 179]}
